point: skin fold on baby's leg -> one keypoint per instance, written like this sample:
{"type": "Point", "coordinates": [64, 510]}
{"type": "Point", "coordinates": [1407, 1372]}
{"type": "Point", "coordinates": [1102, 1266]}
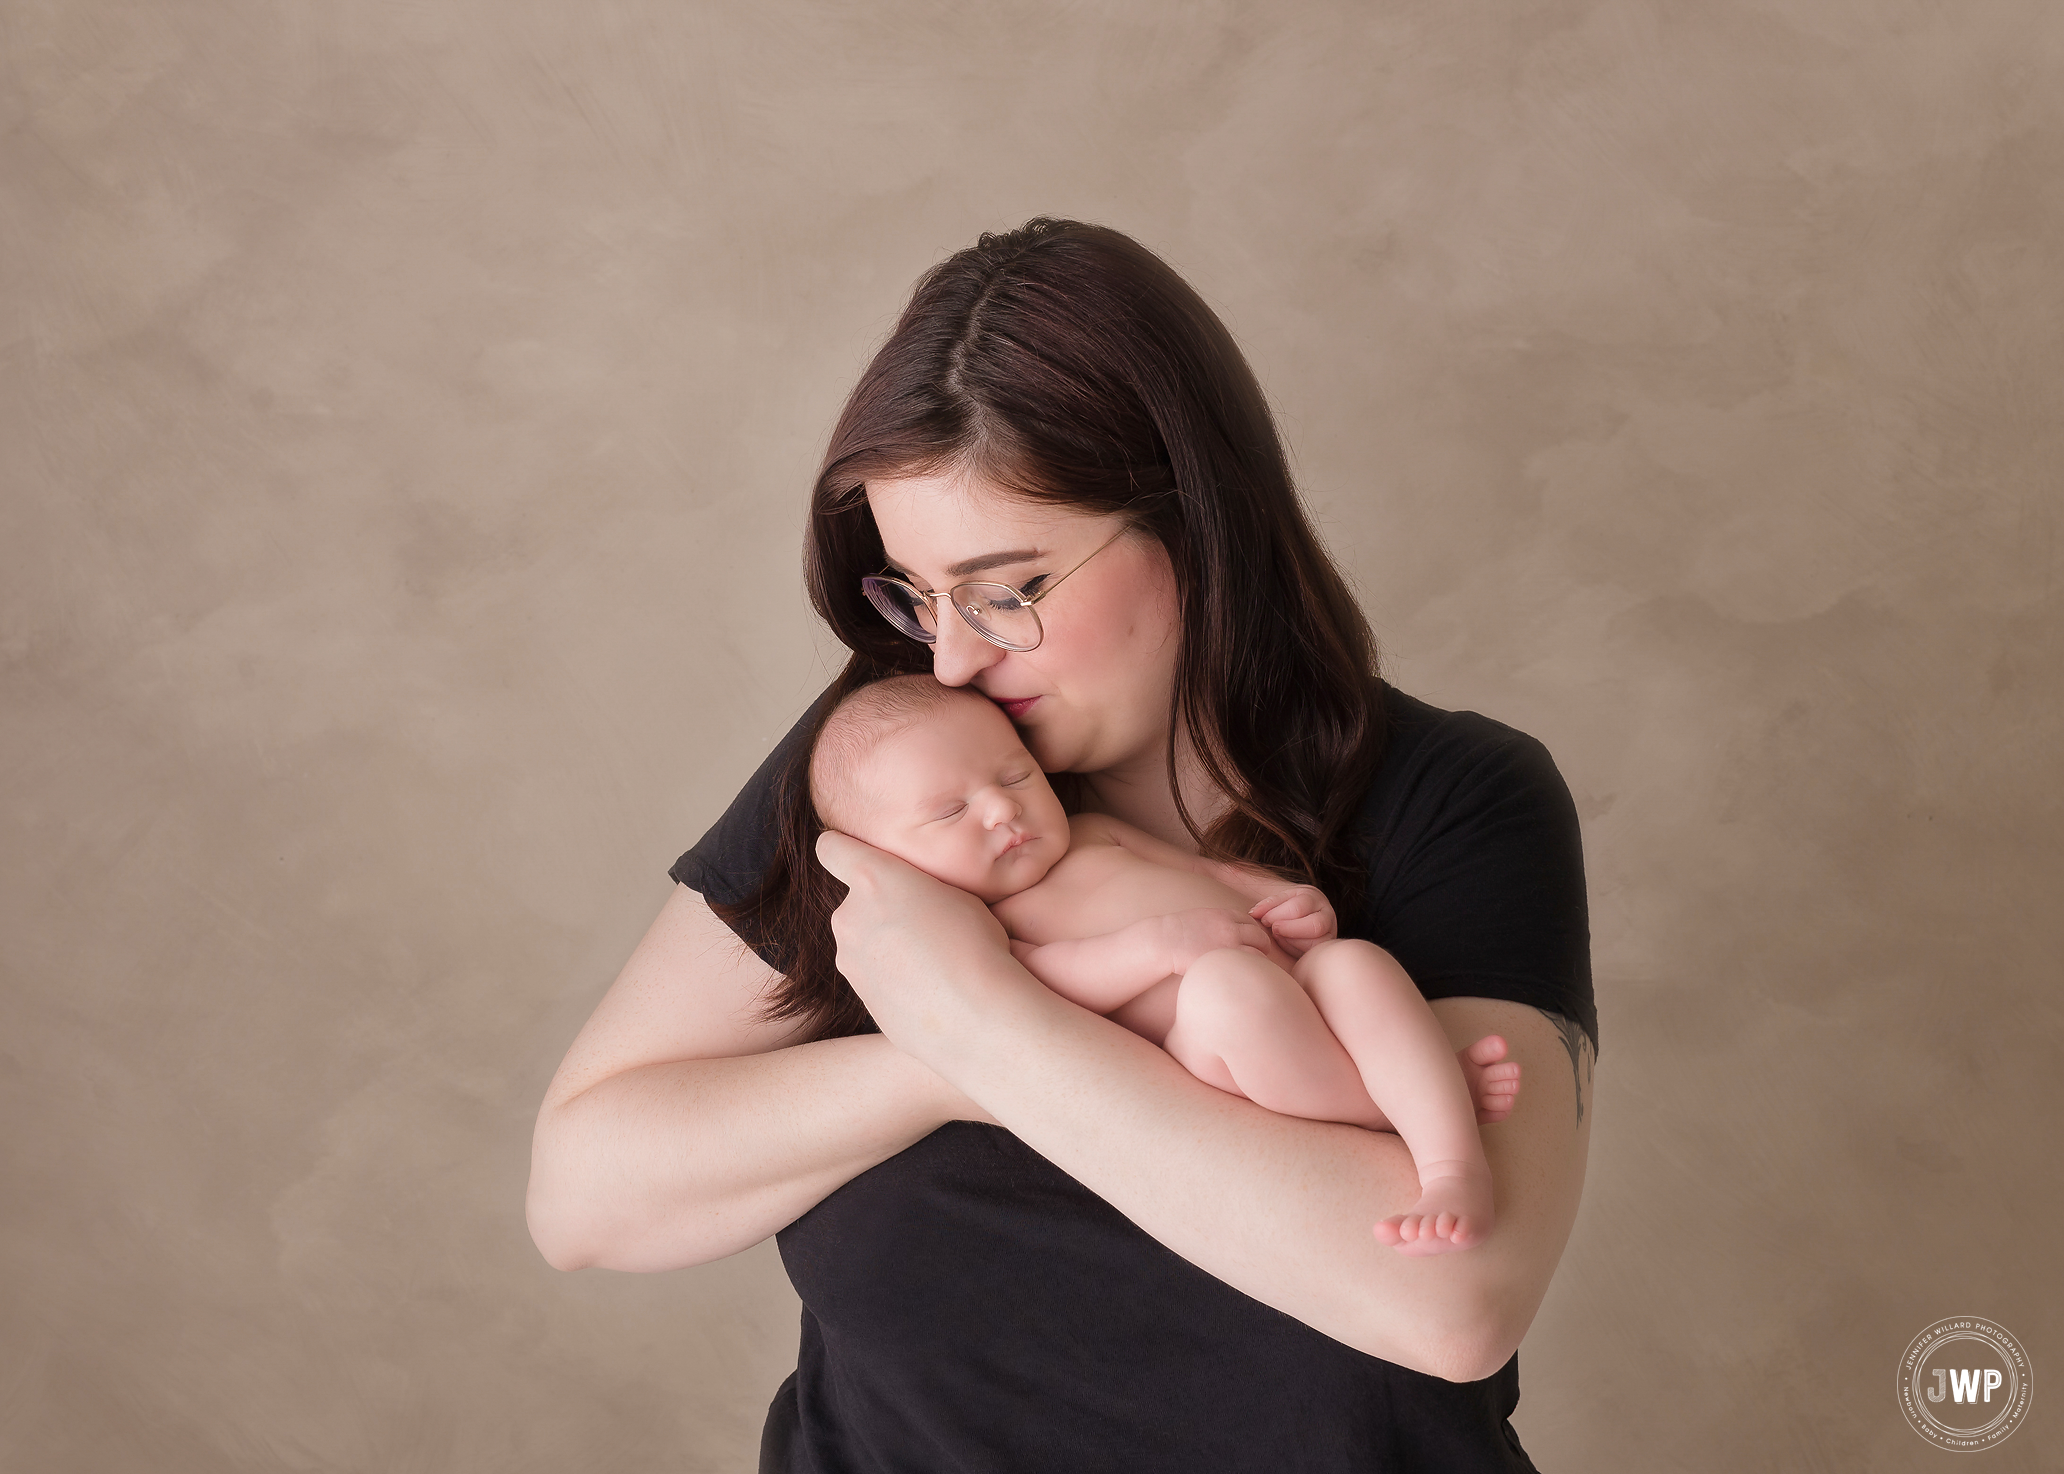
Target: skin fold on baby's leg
{"type": "Point", "coordinates": [1245, 1026]}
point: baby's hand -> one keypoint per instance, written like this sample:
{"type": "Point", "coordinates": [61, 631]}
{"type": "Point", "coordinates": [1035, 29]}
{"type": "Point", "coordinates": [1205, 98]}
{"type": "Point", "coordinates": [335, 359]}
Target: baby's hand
{"type": "Point", "coordinates": [1188, 935]}
{"type": "Point", "coordinates": [1298, 918]}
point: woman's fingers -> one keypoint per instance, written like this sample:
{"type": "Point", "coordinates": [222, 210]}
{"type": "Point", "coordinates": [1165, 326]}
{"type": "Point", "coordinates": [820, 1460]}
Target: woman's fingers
{"type": "Point", "coordinates": [880, 874]}
{"type": "Point", "coordinates": [843, 855]}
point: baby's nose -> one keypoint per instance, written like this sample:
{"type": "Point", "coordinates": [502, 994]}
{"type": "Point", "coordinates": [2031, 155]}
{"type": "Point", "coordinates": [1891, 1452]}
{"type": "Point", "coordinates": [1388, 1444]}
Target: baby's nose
{"type": "Point", "coordinates": [1002, 807]}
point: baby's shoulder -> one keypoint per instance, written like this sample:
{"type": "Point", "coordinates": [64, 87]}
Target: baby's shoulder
{"type": "Point", "coordinates": [1094, 829]}
{"type": "Point", "coordinates": [1094, 852]}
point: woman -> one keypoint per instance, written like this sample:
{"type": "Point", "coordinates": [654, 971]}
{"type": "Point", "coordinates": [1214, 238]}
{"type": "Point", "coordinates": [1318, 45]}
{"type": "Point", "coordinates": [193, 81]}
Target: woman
{"type": "Point", "coordinates": [1136, 1271]}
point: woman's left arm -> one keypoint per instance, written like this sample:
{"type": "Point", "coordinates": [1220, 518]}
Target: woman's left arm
{"type": "Point", "coordinates": [1282, 1209]}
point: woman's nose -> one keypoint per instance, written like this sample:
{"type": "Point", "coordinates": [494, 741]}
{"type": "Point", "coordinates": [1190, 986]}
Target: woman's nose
{"type": "Point", "coordinates": [959, 654]}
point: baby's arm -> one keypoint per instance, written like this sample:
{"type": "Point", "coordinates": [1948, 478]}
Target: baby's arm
{"type": "Point", "coordinates": [1107, 972]}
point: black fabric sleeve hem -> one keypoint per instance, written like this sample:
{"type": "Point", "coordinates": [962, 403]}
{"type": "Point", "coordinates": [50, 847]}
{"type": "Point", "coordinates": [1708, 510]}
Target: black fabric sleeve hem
{"type": "Point", "coordinates": [1476, 881]}
{"type": "Point", "coordinates": [1582, 1012]}
{"type": "Point", "coordinates": [693, 871]}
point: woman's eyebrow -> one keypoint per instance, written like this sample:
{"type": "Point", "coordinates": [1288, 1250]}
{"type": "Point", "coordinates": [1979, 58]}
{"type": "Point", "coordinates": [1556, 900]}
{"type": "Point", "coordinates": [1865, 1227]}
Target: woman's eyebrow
{"type": "Point", "coordinates": [979, 565]}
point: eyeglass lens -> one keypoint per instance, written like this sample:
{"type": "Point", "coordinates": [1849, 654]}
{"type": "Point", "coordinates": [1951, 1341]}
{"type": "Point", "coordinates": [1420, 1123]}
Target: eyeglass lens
{"type": "Point", "coordinates": [995, 611]}
{"type": "Point", "coordinates": [902, 608]}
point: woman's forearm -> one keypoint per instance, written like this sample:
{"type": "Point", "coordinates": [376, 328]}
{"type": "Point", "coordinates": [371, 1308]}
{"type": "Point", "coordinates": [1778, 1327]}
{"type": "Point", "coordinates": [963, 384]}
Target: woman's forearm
{"type": "Point", "coordinates": [1280, 1208]}
{"type": "Point", "coordinates": [680, 1163]}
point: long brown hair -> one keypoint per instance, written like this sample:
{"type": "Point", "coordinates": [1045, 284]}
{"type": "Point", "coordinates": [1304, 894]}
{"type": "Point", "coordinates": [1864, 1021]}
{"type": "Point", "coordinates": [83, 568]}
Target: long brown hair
{"type": "Point", "coordinates": [1068, 364]}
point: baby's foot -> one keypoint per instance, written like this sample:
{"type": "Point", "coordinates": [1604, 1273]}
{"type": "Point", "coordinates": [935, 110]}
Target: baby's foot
{"type": "Point", "coordinates": [1493, 1080]}
{"type": "Point", "coordinates": [1453, 1211]}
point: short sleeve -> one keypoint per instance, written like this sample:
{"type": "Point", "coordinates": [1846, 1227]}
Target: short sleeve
{"type": "Point", "coordinates": [726, 864]}
{"type": "Point", "coordinates": [1476, 865]}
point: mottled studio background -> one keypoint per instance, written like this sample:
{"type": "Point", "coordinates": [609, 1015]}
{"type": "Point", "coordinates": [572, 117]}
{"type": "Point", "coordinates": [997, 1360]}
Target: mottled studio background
{"type": "Point", "coordinates": [405, 415]}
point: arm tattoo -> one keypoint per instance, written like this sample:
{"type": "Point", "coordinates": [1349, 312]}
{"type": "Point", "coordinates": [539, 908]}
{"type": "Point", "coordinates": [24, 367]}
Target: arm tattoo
{"type": "Point", "coordinates": [1582, 1056]}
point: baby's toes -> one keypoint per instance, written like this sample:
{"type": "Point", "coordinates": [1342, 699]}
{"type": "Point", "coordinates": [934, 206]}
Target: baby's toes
{"type": "Point", "coordinates": [1493, 1107]}
{"type": "Point", "coordinates": [1487, 1050]}
{"type": "Point", "coordinates": [1428, 1241]}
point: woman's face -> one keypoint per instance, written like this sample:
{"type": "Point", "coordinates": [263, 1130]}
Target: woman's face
{"type": "Point", "coordinates": [1094, 697]}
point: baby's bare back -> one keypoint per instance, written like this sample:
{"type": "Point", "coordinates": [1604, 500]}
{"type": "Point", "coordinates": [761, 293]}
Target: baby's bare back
{"type": "Point", "coordinates": [1098, 888]}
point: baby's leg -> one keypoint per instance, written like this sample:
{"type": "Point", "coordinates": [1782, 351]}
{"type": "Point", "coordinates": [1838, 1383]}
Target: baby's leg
{"type": "Point", "coordinates": [1244, 1025]}
{"type": "Point", "coordinates": [1410, 1070]}
{"type": "Point", "coordinates": [1251, 1029]}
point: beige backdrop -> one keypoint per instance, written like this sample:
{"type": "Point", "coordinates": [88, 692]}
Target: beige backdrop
{"type": "Point", "coordinates": [405, 416]}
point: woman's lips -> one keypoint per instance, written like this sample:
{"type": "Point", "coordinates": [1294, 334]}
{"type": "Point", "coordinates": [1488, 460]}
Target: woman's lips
{"type": "Point", "coordinates": [1015, 709]}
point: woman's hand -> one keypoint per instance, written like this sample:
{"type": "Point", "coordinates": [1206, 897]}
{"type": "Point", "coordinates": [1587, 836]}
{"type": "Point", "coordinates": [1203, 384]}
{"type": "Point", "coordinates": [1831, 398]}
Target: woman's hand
{"type": "Point", "coordinates": [920, 953]}
{"type": "Point", "coordinates": [1298, 917]}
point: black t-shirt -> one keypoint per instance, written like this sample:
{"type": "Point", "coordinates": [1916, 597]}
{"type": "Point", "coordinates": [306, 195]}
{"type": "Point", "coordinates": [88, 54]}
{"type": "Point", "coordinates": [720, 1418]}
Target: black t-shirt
{"type": "Point", "coordinates": [968, 1306]}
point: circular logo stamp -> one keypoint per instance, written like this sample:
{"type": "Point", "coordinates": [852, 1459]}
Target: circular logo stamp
{"type": "Point", "coordinates": [1964, 1383]}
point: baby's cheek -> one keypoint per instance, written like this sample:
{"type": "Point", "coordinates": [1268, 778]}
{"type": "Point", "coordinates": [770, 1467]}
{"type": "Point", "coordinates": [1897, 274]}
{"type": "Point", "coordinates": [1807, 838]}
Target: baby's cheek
{"type": "Point", "coordinates": [893, 841]}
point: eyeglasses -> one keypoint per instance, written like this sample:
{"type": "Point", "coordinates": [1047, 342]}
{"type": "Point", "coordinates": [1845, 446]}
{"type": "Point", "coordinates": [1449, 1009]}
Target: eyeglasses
{"type": "Point", "coordinates": [997, 612]}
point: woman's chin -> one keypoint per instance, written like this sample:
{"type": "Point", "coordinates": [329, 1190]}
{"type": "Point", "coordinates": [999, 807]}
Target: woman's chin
{"type": "Point", "coordinates": [1052, 755]}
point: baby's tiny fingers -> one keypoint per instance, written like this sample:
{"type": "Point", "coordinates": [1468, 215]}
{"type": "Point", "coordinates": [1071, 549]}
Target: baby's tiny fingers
{"type": "Point", "coordinates": [1312, 925]}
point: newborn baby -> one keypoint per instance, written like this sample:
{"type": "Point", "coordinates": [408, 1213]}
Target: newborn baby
{"type": "Point", "coordinates": [1238, 974]}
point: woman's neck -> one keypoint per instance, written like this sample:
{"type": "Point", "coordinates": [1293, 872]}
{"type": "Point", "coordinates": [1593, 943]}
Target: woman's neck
{"type": "Point", "coordinates": [1143, 796]}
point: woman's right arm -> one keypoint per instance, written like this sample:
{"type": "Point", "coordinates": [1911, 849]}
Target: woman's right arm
{"type": "Point", "coordinates": [677, 1130]}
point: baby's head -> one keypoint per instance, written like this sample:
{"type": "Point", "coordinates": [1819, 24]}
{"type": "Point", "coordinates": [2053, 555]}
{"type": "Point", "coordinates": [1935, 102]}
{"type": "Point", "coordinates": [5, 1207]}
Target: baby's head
{"type": "Point", "coordinates": [937, 776]}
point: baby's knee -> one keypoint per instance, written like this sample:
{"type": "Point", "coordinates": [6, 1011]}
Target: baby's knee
{"type": "Point", "coordinates": [1340, 948]}
{"type": "Point", "coordinates": [1339, 956]}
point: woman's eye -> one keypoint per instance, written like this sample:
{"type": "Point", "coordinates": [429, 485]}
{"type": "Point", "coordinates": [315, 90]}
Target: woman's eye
{"type": "Point", "coordinates": [1033, 587]}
